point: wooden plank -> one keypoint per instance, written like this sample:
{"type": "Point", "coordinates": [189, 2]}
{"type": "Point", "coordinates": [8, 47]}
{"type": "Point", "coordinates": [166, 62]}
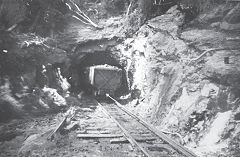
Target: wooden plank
{"type": "Point", "coordinates": [61, 124]}
{"type": "Point", "coordinates": [99, 135]}
{"type": "Point", "coordinates": [69, 114]}
{"type": "Point", "coordinates": [93, 131]}
{"type": "Point", "coordinates": [123, 140]}
{"type": "Point", "coordinates": [126, 133]}
{"type": "Point", "coordinates": [174, 144]}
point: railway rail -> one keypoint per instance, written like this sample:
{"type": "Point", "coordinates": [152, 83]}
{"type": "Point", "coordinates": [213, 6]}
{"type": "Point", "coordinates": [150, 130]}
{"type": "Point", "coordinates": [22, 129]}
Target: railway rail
{"type": "Point", "coordinates": [134, 127]}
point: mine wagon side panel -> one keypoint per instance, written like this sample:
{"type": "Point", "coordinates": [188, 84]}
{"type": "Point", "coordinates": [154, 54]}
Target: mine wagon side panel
{"type": "Point", "coordinates": [106, 80]}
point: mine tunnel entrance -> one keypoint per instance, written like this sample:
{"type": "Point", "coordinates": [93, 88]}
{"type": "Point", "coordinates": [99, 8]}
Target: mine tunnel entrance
{"type": "Point", "coordinates": [98, 73]}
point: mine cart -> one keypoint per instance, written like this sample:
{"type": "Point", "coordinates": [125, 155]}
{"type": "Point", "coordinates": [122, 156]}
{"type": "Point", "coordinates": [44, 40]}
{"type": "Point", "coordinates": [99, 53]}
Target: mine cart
{"type": "Point", "coordinates": [105, 78]}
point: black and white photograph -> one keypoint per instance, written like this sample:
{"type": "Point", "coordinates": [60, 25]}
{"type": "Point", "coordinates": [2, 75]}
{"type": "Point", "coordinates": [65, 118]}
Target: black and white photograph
{"type": "Point", "coordinates": [119, 78]}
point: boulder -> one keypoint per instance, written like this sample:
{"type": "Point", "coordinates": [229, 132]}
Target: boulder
{"type": "Point", "coordinates": [53, 98]}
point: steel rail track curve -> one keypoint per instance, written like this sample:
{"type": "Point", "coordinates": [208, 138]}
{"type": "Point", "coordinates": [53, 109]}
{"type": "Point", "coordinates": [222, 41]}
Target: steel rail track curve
{"type": "Point", "coordinates": [126, 133]}
{"type": "Point", "coordinates": [177, 146]}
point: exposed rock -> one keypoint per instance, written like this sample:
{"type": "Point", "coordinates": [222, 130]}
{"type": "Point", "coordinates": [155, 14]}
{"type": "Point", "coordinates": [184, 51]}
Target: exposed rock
{"type": "Point", "coordinates": [224, 66]}
{"type": "Point", "coordinates": [99, 45]}
{"type": "Point", "coordinates": [76, 33]}
{"type": "Point", "coordinates": [232, 20]}
{"type": "Point", "coordinates": [168, 23]}
{"type": "Point", "coordinates": [216, 14]}
{"type": "Point", "coordinates": [178, 96]}
{"type": "Point", "coordinates": [52, 97]}
{"type": "Point", "coordinates": [13, 11]}
{"type": "Point", "coordinates": [215, 24]}
{"type": "Point", "coordinates": [156, 42]}
{"type": "Point", "coordinates": [209, 90]}
{"type": "Point", "coordinates": [204, 38]}
{"type": "Point", "coordinates": [9, 106]}
{"type": "Point", "coordinates": [212, 141]}
{"type": "Point", "coordinates": [225, 16]}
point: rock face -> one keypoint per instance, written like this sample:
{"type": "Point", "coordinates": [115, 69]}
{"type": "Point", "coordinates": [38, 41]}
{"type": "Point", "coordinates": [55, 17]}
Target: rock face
{"type": "Point", "coordinates": [232, 20]}
{"type": "Point", "coordinates": [178, 92]}
{"type": "Point", "coordinates": [14, 11]}
{"type": "Point", "coordinates": [9, 106]}
{"type": "Point", "coordinates": [216, 14]}
{"type": "Point", "coordinates": [224, 16]}
{"type": "Point", "coordinates": [154, 54]}
{"type": "Point", "coordinates": [227, 68]}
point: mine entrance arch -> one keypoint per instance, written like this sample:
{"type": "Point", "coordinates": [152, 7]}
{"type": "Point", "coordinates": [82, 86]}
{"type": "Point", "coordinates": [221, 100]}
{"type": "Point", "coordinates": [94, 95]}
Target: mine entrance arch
{"type": "Point", "coordinates": [80, 77]}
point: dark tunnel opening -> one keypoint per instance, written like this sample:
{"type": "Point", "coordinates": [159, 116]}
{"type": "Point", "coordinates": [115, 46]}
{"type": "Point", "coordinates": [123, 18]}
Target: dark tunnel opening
{"type": "Point", "coordinates": [80, 73]}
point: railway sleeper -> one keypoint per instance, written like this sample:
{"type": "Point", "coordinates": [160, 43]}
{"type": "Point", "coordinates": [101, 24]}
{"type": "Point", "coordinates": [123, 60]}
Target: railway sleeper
{"type": "Point", "coordinates": [124, 140]}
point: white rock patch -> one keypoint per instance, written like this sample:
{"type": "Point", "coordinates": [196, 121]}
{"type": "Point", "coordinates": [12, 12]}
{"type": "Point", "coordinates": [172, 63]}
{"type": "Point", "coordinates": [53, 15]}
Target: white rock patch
{"type": "Point", "coordinates": [212, 141]}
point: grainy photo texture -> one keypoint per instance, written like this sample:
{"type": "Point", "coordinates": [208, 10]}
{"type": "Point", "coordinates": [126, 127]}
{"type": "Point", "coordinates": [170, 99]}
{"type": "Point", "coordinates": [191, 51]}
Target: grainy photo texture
{"type": "Point", "coordinates": [120, 78]}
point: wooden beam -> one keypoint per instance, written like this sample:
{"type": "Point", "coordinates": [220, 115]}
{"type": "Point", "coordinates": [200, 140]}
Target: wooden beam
{"type": "Point", "coordinates": [99, 135]}
{"type": "Point", "coordinates": [123, 140]}
{"type": "Point", "coordinates": [93, 132]}
{"type": "Point", "coordinates": [59, 127]}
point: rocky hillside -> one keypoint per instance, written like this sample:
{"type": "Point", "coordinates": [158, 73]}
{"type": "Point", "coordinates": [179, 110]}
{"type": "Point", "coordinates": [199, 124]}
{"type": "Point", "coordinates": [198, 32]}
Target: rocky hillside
{"type": "Point", "coordinates": [185, 79]}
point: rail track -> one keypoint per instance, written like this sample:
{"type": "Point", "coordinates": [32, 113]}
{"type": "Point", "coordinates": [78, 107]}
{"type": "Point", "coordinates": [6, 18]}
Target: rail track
{"type": "Point", "coordinates": [155, 143]}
